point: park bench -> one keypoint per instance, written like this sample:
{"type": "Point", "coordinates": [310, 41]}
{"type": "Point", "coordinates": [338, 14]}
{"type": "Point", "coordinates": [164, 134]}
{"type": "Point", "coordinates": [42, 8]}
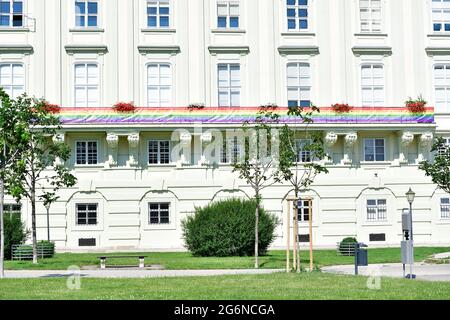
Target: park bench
{"type": "Point", "coordinates": [103, 260]}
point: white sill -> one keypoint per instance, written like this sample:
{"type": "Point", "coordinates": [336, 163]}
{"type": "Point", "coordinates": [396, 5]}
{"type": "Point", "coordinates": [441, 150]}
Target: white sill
{"type": "Point", "coordinates": [89, 166]}
{"type": "Point", "coordinates": [170, 165]}
{"type": "Point", "coordinates": [158, 30]}
{"type": "Point", "coordinates": [14, 29]}
{"type": "Point", "coordinates": [371, 34]}
{"type": "Point", "coordinates": [376, 163]}
{"type": "Point", "coordinates": [228, 30]}
{"type": "Point", "coordinates": [299, 33]}
{"type": "Point", "coordinates": [439, 35]}
{"type": "Point", "coordinates": [87, 29]}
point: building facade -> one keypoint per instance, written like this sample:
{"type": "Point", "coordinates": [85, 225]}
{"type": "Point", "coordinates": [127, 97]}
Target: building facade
{"type": "Point", "coordinates": [232, 56]}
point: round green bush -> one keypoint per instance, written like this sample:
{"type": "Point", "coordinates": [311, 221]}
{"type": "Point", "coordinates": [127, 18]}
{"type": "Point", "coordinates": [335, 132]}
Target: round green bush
{"type": "Point", "coordinates": [346, 246]}
{"type": "Point", "coordinates": [227, 228]}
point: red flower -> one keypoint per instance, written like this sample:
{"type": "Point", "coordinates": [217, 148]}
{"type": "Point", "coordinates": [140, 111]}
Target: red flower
{"type": "Point", "coordinates": [341, 108]}
{"type": "Point", "coordinates": [416, 107]}
{"type": "Point", "coordinates": [52, 108]}
{"type": "Point", "coordinates": [124, 107]}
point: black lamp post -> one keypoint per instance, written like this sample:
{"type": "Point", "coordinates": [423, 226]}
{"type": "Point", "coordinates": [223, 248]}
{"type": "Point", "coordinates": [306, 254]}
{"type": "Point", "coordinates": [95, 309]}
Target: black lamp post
{"type": "Point", "coordinates": [410, 197]}
{"type": "Point", "coordinates": [47, 206]}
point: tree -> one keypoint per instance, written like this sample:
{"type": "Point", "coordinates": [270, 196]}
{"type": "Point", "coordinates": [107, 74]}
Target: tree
{"type": "Point", "coordinates": [257, 166]}
{"type": "Point", "coordinates": [439, 168]}
{"type": "Point", "coordinates": [12, 138]}
{"type": "Point", "coordinates": [300, 173]}
{"type": "Point", "coordinates": [39, 173]}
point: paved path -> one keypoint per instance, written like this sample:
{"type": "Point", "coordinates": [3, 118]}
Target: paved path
{"type": "Point", "coordinates": [431, 272]}
{"type": "Point", "coordinates": [131, 273]}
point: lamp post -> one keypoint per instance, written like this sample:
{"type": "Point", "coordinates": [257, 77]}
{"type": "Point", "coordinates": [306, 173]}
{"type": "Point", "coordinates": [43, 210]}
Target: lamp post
{"type": "Point", "coordinates": [410, 197]}
{"type": "Point", "coordinates": [47, 206]}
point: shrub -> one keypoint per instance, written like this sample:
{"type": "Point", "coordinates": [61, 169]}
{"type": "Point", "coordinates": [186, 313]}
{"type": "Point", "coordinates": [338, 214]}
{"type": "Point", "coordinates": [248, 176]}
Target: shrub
{"type": "Point", "coordinates": [346, 246]}
{"type": "Point", "coordinates": [15, 232]}
{"type": "Point", "coordinates": [227, 228]}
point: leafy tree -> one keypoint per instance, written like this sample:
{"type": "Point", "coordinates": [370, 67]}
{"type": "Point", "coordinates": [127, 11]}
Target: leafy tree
{"type": "Point", "coordinates": [257, 166]}
{"type": "Point", "coordinates": [300, 175]}
{"type": "Point", "coordinates": [39, 174]}
{"type": "Point", "coordinates": [439, 168]}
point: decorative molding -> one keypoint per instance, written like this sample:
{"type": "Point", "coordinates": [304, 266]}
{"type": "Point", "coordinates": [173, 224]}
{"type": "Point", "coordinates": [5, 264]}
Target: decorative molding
{"type": "Point", "coordinates": [16, 48]}
{"type": "Point", "coordinates": [426, 139]}
{"type": "Point", "coordinates": [113, 140]}
{"type": "Point", "coordinates": [242, 50]}
{"type": "Point", "coordinates": [59, 138]}
{"type": "Point", "coordinates": [330, 139]}
{"type": "Point", "coordinates": [133, 146]}
{"type": "Point", "coordinates": [372, 50]}
{"type": "Point", "coordinates": [350, 139]}
{"type": "Point", "coordinates": [304, 50]}
{"type": "Point", "coordinates": [406, 138]}
{"type": "Point", "coordinates": [133, 140]}
{"type": "Point", "coordinates": [86, 48]}
{"type": "Point", "coordinates": [206, 137]}
{"type": "Point", "coordinates": [173, 50]}
{"type": "Point", "coordinates": [185, 138]}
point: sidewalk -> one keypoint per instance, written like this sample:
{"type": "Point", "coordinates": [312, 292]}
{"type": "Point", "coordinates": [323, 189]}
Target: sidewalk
{"type": "Point", "coordinates": [131, 273]}
{"type": "Point", "coordinates": [431, 272]}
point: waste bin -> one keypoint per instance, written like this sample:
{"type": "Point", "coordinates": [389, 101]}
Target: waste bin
{"type": "Point", "coordinates": [361, 257]}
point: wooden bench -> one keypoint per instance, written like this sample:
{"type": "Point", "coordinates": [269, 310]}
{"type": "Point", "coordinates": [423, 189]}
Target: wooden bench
{"type": "Point", "coordinates": [103, 260]}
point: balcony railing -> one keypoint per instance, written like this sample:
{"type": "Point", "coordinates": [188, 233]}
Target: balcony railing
{"type": "Point", "coordinates": [238, 115]}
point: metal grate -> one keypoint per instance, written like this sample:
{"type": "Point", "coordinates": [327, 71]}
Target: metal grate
{"type": "Point", "coordinates": [377, 237]}
{"type": "Point", "coordinates": [89, 242]}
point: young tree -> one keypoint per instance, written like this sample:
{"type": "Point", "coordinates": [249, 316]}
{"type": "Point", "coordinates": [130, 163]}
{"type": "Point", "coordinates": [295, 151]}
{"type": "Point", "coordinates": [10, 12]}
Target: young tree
{"type": "Point", "coordinates": [12, 138]}
{"type": "Point", "coordinates": [39, 174]}
{"type": "Point", "coordinates": [257, 165]}
{"type": "Point", "coordinates": [300, 173]}
{"type": "Point", "coordinates": [439, 168]}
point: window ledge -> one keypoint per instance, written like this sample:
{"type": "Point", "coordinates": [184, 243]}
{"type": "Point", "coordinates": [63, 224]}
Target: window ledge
{"type": "Point", "coordinates": [87, 29]}
{"type": "Point", "coordinates": [228, 30]}
{"type": "Point", "coordinates": [298, 33]}
{"type": "Point", "coordinates": [438, 35]}
{"type": "Point", "coordinates": [87, 166]}
{"type": "Point", "coordinates": [371, 34]}
{"type": "Point", "coordinates": [14, 29]}
{"type": "Point", "coordinates": [158, 30]}
{"type": "Point", "coordinates": [376, 163]}
{"type": "Point", "coordinates": [156, 166]}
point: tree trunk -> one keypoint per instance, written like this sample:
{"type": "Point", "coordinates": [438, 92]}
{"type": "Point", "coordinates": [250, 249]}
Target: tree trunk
{"type": "Point", "coordinates": [2, 231]}
{"type": "Point", "coordinates": [257, 235]}
{"type": "Point", "coordinates": [33, 225]}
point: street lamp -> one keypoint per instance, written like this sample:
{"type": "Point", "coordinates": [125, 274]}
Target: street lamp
{"type": "Point", "coordinates": [410, 197]}
{"type": "Point", "coordinates": [47, 206]}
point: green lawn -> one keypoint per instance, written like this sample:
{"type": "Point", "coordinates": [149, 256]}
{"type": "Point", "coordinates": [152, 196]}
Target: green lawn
{"type": "Point", "coordinates": [184, 260]}
{"type": "Point", "coordinates": [271, 287]}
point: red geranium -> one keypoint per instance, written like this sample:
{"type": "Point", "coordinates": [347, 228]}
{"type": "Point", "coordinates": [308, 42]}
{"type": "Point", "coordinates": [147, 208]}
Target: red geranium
{"type": "Point", "coordinates": [124, 107]}
{"type": "Point", "coordinates": [52, 108]}
{"type": "Point", "coordinates": [341, 108]}
{"type": "Point", "coordinates": [416, 106]}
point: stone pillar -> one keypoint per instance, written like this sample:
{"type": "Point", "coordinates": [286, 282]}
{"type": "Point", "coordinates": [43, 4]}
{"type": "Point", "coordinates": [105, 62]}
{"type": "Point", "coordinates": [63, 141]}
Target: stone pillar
{"type": "Point", "coordinates": [406, 138]}
{"type": "Point", "coordinates": [112, 141]}
{"type": "Point", "coordinates": [349, 144]}
{"type": "Point", "coordinates": [59, 138]}
{"type": "Point", "coordinates": [425, 143]}
{"type": "Point", "coordinates": [133, 145]}
{"type": "Point", "coordinates": [329, 141]}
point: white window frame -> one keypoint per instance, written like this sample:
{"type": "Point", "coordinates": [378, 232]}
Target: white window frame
{"type": "Point", "coordinates": [158, 211]}
{"type": "Point", "coordinates": [11, 14]}
{"type": "Point", "coordinates": [11, 87]}
{"type": "Point", "coordinates": [445, 86]}
{"type": "Point", "coordinates": [86, 142]}
{"type": "Point", "coordinates": [374, 149]}
{"type": "Point", "coordinates": [300, 153]}
{"type": "Point", "coordinates": [159, 141]}
{"type": "Point", "coordinates": [370, 21]}
{"type": "Point", "coordinates": [230, 154]}
{"type": "Point", "coordinates": [158, 4]}
{"type": "Point", "coordinates": [373, 87]}
{"type": "Point", "coordinates": [441, 7]}
{"type": "Point", "coordinates": [444, 151]}
{"type": "Point", "coordinates": [299, 87]}
{"type": "Point", "coordinates": [380, 210]}
{"type": "Point", "coordinates": [444, 208]}
{"type": "Point", "coordinates": [229, 88]}
{"type": "Point", "coordinates": [86, 84]}
{"type": "Point", "coordinates": [297, 7]}
{"type": "Point", "coordinates": [228, 17]}
{"type": "Point", "coordinates": [159, 86]}
{"type": "Point", "coordinates": [77, 212]}
{"type": "Point", "coordinates": [302, 207]}
{"type": "Point", "coordinates": [86, 15]}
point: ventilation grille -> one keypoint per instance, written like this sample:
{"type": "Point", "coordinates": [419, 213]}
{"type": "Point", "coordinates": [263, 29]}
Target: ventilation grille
{"type": "Point", "coordinates": [377, 237]}
{"type": "Point", "coordinates": [91, 242]}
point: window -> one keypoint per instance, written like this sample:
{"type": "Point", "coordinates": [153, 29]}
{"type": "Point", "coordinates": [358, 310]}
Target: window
{"type": "Point", "coordinates": [229, 84]}
{"type": "Point", "coordinates": [86, 13]}
{"type": "Point", "coordinates": [158, 213]}
{"type": "Point", "coordinates": [86, 153]}
{"type": "Point", "coordinates": [297, 14]}
{"type": "Point", "coordinates": [11, 13]}
{"type": "Point", "coordinates": [232, 150]}
{"type": "Point", "coordinates": [440, 15]}
{"type": "Point", "coordinates": [445, 149]}
{"type": "Point", "coordinates": [159, 85]}
{"type": "Point", "coordinates": [158, 14]}
{"type": "Point", "coordinates": [159, 152]}
{"type": "Point", "coordinates": [12, 209]}
{"type": "Point", "coordinates": [12, 79]}
{"type": "Point", "coordinates": [303, 213]}
{"type": "Point", "coordinates": [376, 210]}
{"type": "Point", "coordinates": [374, 150]}
{"type": "Point", "coordinates": [303, 154]}
{"type": "Point", "coordinates": [442, 87]}
{"type": "Point", "coordinates": [298, 84]}
{"type": "Point", "coordinates": [370, 15]}
{"type": "Point", "coordinates": [86, 214]}
{"type": "Point", "coordinates": [372, 85]}
{"type": "Point", "coordinates": [227, 14]}
{"type": "Point", "coordinates": [86, 85]}
{"type": "Point", "coordinates": [445, 208]}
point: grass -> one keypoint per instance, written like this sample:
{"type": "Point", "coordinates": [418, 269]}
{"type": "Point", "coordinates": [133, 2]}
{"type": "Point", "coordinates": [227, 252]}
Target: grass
{"type": "Point", "coordinates": [315, 286]}
{"type": "Point", "coordinates": [184, 260]}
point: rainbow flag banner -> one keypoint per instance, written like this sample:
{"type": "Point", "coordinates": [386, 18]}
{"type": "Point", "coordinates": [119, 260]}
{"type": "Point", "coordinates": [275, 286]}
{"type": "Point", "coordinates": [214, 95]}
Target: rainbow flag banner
{"type": "Point", "coordinates": [236, 115]}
